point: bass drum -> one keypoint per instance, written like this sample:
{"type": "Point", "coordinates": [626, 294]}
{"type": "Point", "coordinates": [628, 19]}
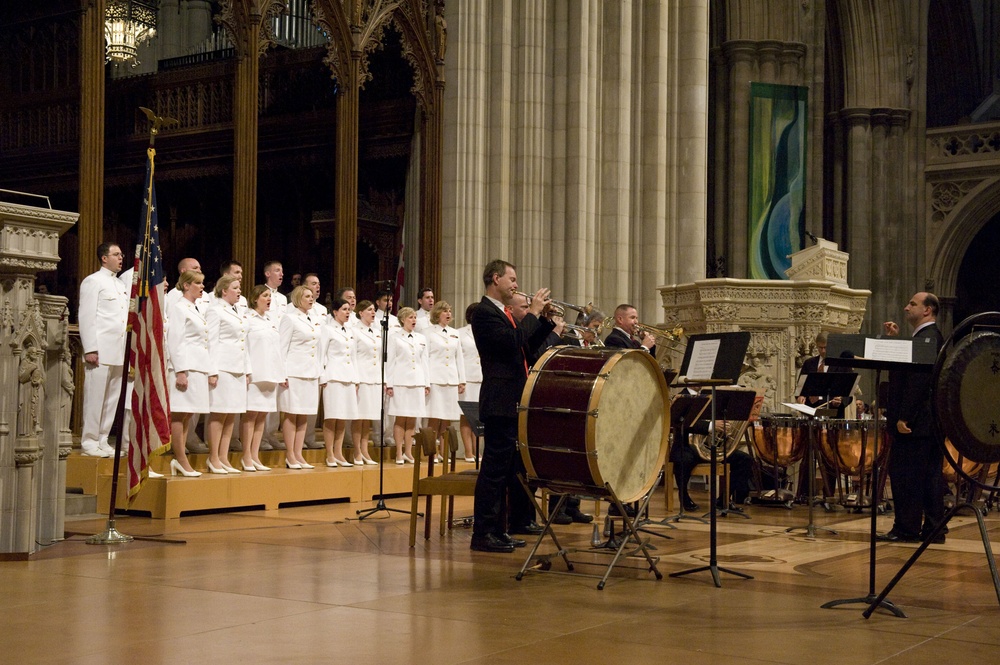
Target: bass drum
{"type": "Point", "coordinates": [590, 417]}
{"type": "Point", "coordinates": [780, 440]}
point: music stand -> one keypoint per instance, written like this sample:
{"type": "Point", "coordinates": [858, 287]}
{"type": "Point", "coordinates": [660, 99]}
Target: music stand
{"type": "Point", "coordinates": [712, 360]}
{"type": "Point", "coordinates": [861, 352]}
{"type": "Point", "coordinates": [471, 412]}
{"type": "Point", "coordinates": [685, 411]}
{"type": "Point", "coordinates": [827, 386]}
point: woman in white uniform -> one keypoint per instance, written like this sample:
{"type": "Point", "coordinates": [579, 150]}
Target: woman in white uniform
{"type": "Point", "coordinates": [473, 379]}
{"type": "Point", "coordinates": [298, 396]}
{"type": "Point", "coordinates": [267, 371]}
{"type": "Point", "coordinates": [340, 382]}
{"type": "Point", "coordinates": [406, 382]}
{"type": "Point", "coordinates": [368, 354]}
{"type": "Point", "coordinates": [447, 371]}
{"type": "Point", "coordinates": [191, 370]}
{"type": "Point", "coordinates": [227, 344]}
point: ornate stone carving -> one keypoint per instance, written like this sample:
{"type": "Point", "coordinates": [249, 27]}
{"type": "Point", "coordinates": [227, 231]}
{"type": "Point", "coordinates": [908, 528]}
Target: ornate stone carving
{"type": "Point", "coordinates": [31, 380]}
{"type": "Point", "coordinates": [946, 195]}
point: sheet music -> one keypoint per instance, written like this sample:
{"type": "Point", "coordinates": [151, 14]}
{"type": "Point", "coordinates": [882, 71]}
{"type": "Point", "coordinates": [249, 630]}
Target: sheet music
{"type": "Point", "coordinates": [889, 350]}
{"type": "Point", "coordinates": [703, 356]}
{"type": "Point", "coordinates": [801, 408]}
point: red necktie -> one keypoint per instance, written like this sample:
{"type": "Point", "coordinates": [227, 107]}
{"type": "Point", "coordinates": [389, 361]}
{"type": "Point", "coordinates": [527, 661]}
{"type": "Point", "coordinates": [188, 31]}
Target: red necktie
{"type": "Point", "coordinates": [510, 317]}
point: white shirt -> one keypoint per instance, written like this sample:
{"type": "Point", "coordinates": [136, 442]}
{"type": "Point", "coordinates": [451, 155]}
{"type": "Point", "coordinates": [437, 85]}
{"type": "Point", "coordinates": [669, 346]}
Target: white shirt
{"type": "Point", "coordinates": [423, 320]}
{"type": "Point", "coordinates": [263, 341]}
{"type": "Point", "coordinates": [470, 355]}
{"type": "Point", "coordinates": [279, 301]}
{"type": "Point", "coordinates": [393, 321]}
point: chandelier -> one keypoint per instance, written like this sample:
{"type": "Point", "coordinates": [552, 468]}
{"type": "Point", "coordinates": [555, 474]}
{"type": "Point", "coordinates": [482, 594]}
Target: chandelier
{"type": "Point", "coordinates": [127, 23]}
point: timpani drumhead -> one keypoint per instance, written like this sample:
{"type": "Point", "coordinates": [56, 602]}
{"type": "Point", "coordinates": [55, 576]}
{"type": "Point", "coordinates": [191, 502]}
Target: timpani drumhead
{"type": "Point", "coordinates": [967, 397]}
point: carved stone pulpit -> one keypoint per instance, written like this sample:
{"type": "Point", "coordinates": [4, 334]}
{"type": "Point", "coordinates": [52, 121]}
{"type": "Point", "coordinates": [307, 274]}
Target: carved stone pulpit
{"type": "Point", "coordinates": [783, 317]}
{"type": "Point", "coordinates": [34, 356]}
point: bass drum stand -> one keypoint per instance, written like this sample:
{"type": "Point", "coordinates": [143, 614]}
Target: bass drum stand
{"type": "Point", "coordinates": [544, 562]}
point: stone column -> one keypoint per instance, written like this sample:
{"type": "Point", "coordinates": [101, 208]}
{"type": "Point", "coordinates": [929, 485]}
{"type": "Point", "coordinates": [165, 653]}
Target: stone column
{"type": "Point", "coordinates": [430, 192]}
{"type": "Point", "coordinates": [740, 54]}
{"type": "Point", "coordinates": [245, 94]}
{"type": "Point", "coordinates": [29, 339]}
{"type": "Point", "coordinates": [56, 438]}
{"type": "Point", "coordinates": [346, 177]}
{"type": "Point", "coordinates": [91, 197]}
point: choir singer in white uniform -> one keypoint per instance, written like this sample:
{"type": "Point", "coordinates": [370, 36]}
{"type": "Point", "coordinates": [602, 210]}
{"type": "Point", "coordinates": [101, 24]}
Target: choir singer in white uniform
{"type": "Point", "coordinates": [299, 395]}
{"type": "Point", "coordinates": [227, 344]}
{"type": "Point", "coordinates": [406, 382]}
{"type": "Point", "coordinates": [266, 371]}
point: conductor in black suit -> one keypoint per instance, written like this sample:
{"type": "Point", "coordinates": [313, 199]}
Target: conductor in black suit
{"type": "Point", "coordinates": [916, 457]}
{"type": "Point", "coordinates": [504, 348]}
{"type": "Point", "coordinates": [624, 335]}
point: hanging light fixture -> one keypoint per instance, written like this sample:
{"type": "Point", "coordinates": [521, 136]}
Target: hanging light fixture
{"type": "Point", "coordinates": [127, 23]}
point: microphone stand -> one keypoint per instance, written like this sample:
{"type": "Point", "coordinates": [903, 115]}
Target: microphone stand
{"type": "Point", "coordinates": [380, 503]}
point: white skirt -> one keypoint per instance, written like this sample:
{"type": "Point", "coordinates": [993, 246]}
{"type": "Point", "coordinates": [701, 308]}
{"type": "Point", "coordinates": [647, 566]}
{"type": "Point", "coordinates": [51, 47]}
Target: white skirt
{"type": "Point", "coordinates": [340, 401]}
{"type": "Point", "coordinates": [408, 401]}
{"type": "Point", "coordinates": [370, 401]}
{"type": "Point", "coordinates": [229, 394]}
{"type": "Point", "coordinates": [194, 399]}
{"type": "Point", "coordinates": [262, 396]}
{"type": "Point", "coordinates": [300, 398]}
{"type": "Point", "coordinates": [471, 393]}
{"type": "Point", "coordinates": [442, 402]}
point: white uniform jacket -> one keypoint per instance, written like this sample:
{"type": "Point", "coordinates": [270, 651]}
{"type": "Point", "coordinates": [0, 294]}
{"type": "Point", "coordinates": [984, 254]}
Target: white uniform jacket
{"type": "Point", "coordinates": [339, 346]}
{"type": "Point", "coordinates": [470, 355]}
{"type": "Point", "coordinates": [227, 338]}
{"type": "Point", "coordinates": [279, 303]}
{"type": "Point", "coordinates": [174, 296]}
{"type": "Point", "coordinates": [300, 345]}
{"type": "Point", "coordinates": [187, 339]}
{"type": "Point", "coordinates": [369, 352]}
{"type": "Point", "coordinates": [103, 315]}
{"type": "Point", "coordinates": [406, 363]}
{"type": "Point", "coordinates": [263, 341]}
{"type": "Point", "coordinates": [393, 321]}
{"type": "Point", "coordinates": [444, 356]}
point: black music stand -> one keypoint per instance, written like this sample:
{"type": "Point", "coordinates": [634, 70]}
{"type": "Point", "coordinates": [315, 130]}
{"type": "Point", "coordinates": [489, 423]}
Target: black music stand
{"type": "Point", "coordinates": [712, 360]}
{"type": "Point", "coordinates": [827, 386]}
{"type": "Point", "coordinates": [471, 412]}
{"type": "Point", "coordinates": [849, 351]}
{"type": "Point", "coordinates": [685, 411]}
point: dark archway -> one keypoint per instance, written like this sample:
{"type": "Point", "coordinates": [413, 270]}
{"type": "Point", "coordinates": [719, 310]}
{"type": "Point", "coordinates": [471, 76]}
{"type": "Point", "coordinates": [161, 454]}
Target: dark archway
{"type": "Point", "coordinates": [978, 286]}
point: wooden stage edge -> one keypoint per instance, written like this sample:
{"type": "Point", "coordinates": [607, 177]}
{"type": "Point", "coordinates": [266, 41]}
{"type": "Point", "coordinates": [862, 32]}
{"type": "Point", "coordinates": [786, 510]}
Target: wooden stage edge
{"type": "Point", "coordinates": [172, 496]}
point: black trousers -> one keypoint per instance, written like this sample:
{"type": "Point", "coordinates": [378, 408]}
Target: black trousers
{"type": "Point", "coordinates": [740, 469]}
{"type": "Point", "coordinates": [499, 496]}
{"type": "Point", "coordinates": [915, 466]}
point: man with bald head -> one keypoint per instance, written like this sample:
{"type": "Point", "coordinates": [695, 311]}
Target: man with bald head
{"type": "Point", "coordinates": [915, 457]}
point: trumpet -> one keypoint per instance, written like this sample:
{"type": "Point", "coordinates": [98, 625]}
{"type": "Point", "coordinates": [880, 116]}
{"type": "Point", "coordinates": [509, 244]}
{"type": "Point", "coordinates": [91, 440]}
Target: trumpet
{"type": "Point", "coordinates": [558, 306]}
{"type": "Point", "coordinates": [580, 330]}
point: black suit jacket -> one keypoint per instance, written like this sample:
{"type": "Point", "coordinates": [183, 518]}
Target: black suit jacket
{"type": "Point", "coordinates": [811, 366]}
{"type": "Point", "coordinates": [502, 352]}
{"type": "Point", "coordinates": [616, 339]}
{"type": "Point", "coordinates": [910, 393]}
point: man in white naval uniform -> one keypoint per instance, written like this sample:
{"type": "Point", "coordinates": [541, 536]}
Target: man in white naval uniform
{"type": "Point", "coordinates": [426, 302]}
{"type": "Point", "coordinates": [232, 268]}
{"type": "Point", "coordinates": [103, 317]}
{"type": "Point", "coordinates": [319, 316]}
{"type": "Point", "coordinates": [274, 274]}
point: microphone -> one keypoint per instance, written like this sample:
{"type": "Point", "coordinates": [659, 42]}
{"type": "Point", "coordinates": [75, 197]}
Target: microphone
{"type": "Point", "coordinates": [812, 237]}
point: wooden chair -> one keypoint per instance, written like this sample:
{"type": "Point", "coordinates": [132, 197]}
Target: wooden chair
{"type": "Point", "coordinates": [446, 484]}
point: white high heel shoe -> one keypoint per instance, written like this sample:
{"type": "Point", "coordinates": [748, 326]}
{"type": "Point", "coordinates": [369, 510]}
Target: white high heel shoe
{"type": "Point", "coordinates": [306, 465]}
{"type": "Point", "coordinates": [229, 468]}
{"type": "Point", "coordinates": [248, 467]}
{"type": "Point", "coordinates": [292, 465]}
{"type": "Point", "coordinates": [260, 467]}
{"type": "Point", "coordinates": [177, 469]}
{"type": "Point", "coordinates": [212, 469]}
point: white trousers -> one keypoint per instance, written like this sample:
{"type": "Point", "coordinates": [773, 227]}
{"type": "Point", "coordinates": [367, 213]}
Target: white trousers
{"type": "Point", "coordinates": [101, 388]}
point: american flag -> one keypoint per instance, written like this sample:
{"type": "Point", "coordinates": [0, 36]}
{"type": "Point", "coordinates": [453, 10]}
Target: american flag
{"type": "Point", "coordinates": [150, 427]}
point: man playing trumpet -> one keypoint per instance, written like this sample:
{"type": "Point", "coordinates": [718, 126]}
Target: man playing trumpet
{"type": "Point", "coordinates": [504, 347]}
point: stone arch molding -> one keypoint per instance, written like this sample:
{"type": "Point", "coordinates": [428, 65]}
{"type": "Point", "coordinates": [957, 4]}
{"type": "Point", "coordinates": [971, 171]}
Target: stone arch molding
{"type": "Point", "coordinates": [966, 219]}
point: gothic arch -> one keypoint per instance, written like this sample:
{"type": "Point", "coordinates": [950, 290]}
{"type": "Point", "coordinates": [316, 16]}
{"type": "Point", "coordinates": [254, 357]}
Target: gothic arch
{"type": "Point", "coordinates": [966, 220]}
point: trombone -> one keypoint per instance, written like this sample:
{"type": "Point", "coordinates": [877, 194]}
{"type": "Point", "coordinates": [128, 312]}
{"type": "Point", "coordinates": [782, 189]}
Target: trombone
{"type": "Point", "coordinates": [558, 306]}
{"type": "Point", "coordinates": [672, 336]}
{"type": "Point", "coordinates": [580, 330]}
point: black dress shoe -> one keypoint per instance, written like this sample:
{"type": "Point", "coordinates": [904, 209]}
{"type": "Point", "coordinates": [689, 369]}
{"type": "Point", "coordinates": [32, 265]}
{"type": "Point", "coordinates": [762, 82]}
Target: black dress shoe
{"type": "Point", "coordinates": [513, 542]}
{"type": "Point", "coordinates": [896, 537]}
{"type": "Point", "coordinates": [490, 543]}
{"type": "Point", "coordinates": [937, 541]}
{"type": "Point", "coordinates": [629, 510]}
{"type": "Point", "coordinates": [529, 529]}
{"type": "Point", "coordinates": [562, 518]}
{"type": "Point", "coordinates": [690, 506]}
{"type": "Point", "coordinates": [580, 517]}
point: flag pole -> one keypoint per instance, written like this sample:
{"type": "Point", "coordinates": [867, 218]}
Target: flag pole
{"type": "Point", "coordinates": [111, 535]}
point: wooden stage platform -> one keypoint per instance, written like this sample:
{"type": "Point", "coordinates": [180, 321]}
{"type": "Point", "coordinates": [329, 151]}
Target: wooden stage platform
{"type": "Point", "coordinates": [172, 496]}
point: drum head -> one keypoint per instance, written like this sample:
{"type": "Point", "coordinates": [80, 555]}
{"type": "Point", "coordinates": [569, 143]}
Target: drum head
{"type": "Point", "coordinates": [967, 397]}
{"type": "Point", "coordinates": [632, 424]}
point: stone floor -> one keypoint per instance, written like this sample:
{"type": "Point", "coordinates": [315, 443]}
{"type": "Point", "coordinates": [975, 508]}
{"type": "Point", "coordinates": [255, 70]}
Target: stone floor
{"type": "Point", "coordinates": [311, 584]}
